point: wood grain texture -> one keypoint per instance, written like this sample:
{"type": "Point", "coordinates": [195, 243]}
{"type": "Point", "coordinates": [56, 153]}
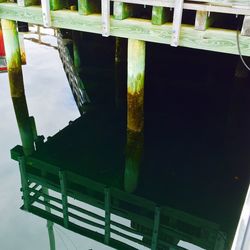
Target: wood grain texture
{"type": "Point", "coordinates": [213, 39]}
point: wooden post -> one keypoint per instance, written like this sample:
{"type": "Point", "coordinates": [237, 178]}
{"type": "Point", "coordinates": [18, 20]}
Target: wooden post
{"type": "Point", "coordinates": [203, 20]}
{"type": "Point", "coordinates": [50, 224]}
{"type": "Point", "coordinates": [135, 112]}
{"type": "Point", "coordinates": [58, 4]}
{"type": "Point", "coordinates": [122, 10]}
{"type": "Point", "coordinates": [120, 69]}
{"type": "Point", "coordinates": [63, 185]}
{"type": "Point", "coordinates": [86, 7]}
{"type": "Point", "coordinates": [76, 37]}
{"type": "Point", "coordinates": [13, 57]}
{"type": "Point", "coordinates": [159, 15]}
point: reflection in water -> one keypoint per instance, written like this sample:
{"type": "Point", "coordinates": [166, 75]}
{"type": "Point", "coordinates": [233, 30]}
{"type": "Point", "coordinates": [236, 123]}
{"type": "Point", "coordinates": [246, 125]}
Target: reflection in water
{"type": "Point", "coordinates": [184, 187]}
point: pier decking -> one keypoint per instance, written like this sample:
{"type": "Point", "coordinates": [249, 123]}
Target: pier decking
{"type": "Point", "coordinates": [160, 24]}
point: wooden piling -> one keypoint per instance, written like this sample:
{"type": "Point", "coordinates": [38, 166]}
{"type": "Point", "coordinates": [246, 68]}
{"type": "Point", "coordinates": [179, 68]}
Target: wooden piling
{"type": "Point", "coordinates": [13, 58]}
{"type": "Point", "coordinates": [76, 37]}
{"type": "Point", "coordinates": [135, 112]}
{"type": "Point", "coordinates": [135, 95]}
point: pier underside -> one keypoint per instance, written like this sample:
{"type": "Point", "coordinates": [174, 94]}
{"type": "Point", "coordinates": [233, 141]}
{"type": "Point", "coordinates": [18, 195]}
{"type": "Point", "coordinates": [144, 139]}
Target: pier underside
{"type": "Point", "coordinates": [195, 160]}
{"type": "Point", "coordinates": [204, 26]}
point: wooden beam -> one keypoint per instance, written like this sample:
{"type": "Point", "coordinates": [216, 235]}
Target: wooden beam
{"type": "Point", "coordinates": [202, 20]}
{"type": "Point", "coordinates": [159, 15]}
{"type": "Point", "coordinates": [213, 39]}
{"type": "Point", "coordinates": [107, 204]}
{"type": "Point", "coordinates": [122, 10]}
{"type": "Point", "coordinates": [24, 3]}
{"type": "Point", "coordinates": [63, 186]}
{"type": "Point", "coordinates": [59, 4]}
{"type": "Point", "coordinates": [178, 9]}
{"type": "Point", "coordinates": [156, 228]}
{"type": "Point", "coordinates": [105, 18]}
{"type": "Point", "coordinates": [245, 31]}
{"type": "Point", "coordinates": [135, 112]}
{"type": "Point", "coordinates": [46, 13]}
{"type": "Point", "coordinates": [86, 7]}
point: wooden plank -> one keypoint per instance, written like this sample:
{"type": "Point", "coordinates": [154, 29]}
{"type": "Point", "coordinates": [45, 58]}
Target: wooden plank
{"type": "Point", "coordinates": [46, 13]}
{"type": "Point", "coordinates": [238, 10]}
{"type": "Point", "coordinates": [86, 7]}
{"type": "Point", "coordinates": [245, 31]}
{"type": "Point", "coordinates": [105, 18]}
{"type": "Point", "coordinates": [212, 39]}
{"type": "Point", "coordinates": [178, 9]}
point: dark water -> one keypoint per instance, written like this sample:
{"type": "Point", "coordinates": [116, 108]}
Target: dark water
{"type": "Point", "coordinates": [196, 136]}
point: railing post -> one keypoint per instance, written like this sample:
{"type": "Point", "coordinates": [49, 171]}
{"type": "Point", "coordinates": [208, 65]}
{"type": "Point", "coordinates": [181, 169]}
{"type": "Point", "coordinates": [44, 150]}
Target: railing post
{"type": "Point", "coordinates": [24, 183]}
{"type": "Point", "coordinates": [63, 184]}
{"type": "Point", "coordinates": [107, 215]}
{"type": "Point", "coordinates": [106, 18]}
{"type": "Point", "coordinates": [155, 229]}
{"type": "Point", "coordinates": [46, 13]}
{"type": "Point", "coordinates": [50, 224]}
{"type": "Point", "coordinates": [178, 9]}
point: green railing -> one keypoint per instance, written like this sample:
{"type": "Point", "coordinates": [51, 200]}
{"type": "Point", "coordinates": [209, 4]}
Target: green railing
{"type": "Point", "coordinates": [150, 225]}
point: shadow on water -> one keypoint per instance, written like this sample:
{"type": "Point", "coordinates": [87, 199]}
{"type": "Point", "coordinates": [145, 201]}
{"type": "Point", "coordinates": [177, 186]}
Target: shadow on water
{"type": "Point", "coordinates": [196, 136]}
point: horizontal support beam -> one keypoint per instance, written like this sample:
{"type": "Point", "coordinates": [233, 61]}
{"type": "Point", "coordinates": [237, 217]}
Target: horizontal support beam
{"type": "Point", "coordinates": [213, 39]}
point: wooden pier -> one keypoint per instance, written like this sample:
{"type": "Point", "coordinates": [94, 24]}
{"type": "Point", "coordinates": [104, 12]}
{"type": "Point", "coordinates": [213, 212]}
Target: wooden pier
{"type": "Point", "coordinates": [190, 24]}
{"type": "Point", "coordinates": [215, 25]}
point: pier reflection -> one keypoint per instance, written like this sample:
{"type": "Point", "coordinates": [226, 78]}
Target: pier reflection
{"type": "Point", "coordinates": [85, 164]}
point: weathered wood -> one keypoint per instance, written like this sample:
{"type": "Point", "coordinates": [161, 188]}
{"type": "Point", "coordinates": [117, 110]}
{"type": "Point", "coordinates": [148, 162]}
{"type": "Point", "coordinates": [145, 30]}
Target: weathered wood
{"type": "Point", "coordinates": [159, 15]}
{"type": "Point", "coordinates": [25, 3]}
{"type": "Point", "coordinates": [122, 10]}
{"type": "Point", "coordinates": [59, 4]}
{"type": "Point", "coordinates": [22, 48]}
{"type": "Point", "coordinates": [135, 112]}
{"type": "Point", "coordinates": [135, 98]}
{"type": "Point", "coordinates": [46, 13]}
{"type": "Point", "coordinates": [86, 7]}
{"type": "Point", "coordinates": [213, 39]}
{"type": "Point", "coordinates": [120, 68]}
{"type": "Point", "coordinates": [245, 31]}
{"type": "Point", "coordinates": [13, 58]}
{"type": "Point", "coordinates": [24, 182]}
{"type": "Point", "coordinates": [178, 10]}
{"type": "Point", "coordinates": [76, 37]}
{"type": "Point", "coordinates": [202, 20]}
{"type": "Point", "coordinates": [105, 17]}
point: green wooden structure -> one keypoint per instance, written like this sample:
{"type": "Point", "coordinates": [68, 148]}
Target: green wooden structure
{"type": "Point", "coordinates": [210, 27]}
